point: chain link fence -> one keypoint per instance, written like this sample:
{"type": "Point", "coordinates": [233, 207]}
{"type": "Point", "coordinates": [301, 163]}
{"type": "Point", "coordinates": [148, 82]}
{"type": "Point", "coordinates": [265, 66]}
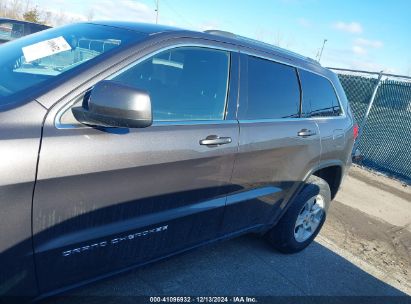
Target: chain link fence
{"type": "Point", "coordinates": [385, 133]}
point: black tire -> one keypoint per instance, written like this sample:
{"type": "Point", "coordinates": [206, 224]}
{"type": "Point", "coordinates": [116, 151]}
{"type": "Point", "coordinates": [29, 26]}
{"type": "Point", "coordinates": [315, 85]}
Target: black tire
{"type": "Point", "coordinates": [282, 236]}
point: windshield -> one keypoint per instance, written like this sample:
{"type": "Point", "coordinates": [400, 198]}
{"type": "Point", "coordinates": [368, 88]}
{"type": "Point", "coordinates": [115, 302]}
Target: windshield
{"type": "Point", "coordinates": [43, 57]}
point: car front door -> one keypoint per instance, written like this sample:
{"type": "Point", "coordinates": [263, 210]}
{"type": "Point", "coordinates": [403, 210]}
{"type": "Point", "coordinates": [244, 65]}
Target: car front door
{"type": "Point", "coordinates": [108, 198]}
{"type": "Point", "coordinates": [277, 148]}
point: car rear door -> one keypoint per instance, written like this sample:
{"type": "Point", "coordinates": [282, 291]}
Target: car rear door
{"type": "Point", "coordinates": [322, 105]}
{"type": "Point", "coordinates": [277, 148]}
{"type": "Point", "coordinates": [108, 198]}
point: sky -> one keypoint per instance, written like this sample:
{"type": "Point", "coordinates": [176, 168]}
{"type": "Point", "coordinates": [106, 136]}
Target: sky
{"type": "Point", "coordinates": [370, 35]}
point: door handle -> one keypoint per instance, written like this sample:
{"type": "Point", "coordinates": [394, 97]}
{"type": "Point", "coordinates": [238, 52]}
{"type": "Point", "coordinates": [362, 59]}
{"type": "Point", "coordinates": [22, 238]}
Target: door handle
{"type": "Point", "coordinates": [214, 140]}
{"type": "Point", "coordinates": [306, 133]}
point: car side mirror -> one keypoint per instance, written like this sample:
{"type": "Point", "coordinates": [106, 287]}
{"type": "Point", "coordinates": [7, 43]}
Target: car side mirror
{"type": "Point", "coordinates": [112, 104]}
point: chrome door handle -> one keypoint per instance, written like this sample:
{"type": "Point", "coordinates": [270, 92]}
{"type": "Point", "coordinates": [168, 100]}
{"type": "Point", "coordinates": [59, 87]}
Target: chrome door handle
{"type": "Point", "coordinates": [306, 133]}
{"type": "Point", "coordinates": [214, 140]}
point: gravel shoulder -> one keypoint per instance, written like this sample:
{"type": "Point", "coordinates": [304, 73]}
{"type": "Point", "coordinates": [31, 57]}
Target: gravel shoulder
{"type": "Point", "coordinates": [369, 223]}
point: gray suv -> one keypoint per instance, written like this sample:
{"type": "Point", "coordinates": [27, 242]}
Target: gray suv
{"type": "Point", "coordinates": [125, 143]}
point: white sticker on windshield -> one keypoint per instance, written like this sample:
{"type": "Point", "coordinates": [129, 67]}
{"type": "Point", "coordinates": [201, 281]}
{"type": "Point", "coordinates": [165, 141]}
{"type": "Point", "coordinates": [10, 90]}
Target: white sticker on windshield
{"type": "Point", "coordinates": [45, 48]}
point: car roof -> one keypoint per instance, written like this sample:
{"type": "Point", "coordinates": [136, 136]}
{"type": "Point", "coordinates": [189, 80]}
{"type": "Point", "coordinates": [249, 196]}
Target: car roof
{"type": "Point", "coordinates": [153, 29]}
{"type": "Point", "coordinates": [146, 28]}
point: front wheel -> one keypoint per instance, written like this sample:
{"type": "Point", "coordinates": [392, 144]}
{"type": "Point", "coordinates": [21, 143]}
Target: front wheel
{"type": "Point", "coordinates": [304, 218]}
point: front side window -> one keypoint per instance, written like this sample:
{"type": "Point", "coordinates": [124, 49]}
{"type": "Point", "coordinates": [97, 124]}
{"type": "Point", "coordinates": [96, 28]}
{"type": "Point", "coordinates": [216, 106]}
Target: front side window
{"type": "Point", "coordinates": [273, 90]}
{"type": "Point", "coordinates": [187, 83]}
{"type": "Point", "coordinates": [319, 97]}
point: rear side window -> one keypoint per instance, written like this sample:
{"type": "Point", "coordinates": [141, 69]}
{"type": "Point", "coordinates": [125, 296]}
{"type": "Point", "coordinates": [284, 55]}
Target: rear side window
{"type": "Point", "coordinates": [319, 98]}
{"type": "Point", "coordinates": [273, 90]}
{"type": "Point", "coordinates": [187, 83]}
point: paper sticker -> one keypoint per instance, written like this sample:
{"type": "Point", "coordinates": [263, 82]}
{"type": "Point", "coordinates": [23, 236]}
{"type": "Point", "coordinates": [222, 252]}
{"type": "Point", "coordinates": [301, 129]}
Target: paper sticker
{"type": "Point", "coordinates": [45, 48]}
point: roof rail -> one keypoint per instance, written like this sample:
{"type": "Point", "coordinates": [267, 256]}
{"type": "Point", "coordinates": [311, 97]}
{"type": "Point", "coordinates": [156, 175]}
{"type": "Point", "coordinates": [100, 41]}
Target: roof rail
{"type": "Point", "coordinates": [260, 43]}
{"type": "Point", "coordinates": [221, 33]}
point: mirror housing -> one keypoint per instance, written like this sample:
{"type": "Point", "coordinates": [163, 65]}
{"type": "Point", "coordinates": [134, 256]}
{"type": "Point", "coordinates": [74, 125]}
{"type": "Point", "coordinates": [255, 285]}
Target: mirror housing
{"type": "Point", "coordinates": [112, 104]}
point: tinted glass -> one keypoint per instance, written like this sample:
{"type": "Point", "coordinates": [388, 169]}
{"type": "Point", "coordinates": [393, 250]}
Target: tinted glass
{"type": "Point", "coordinates": [273, 90]}
{"type": "Point", "coordinates": [319, 97]}
{"type": "Point", "coordinates": [36, 59]}
{"type": "Point", "coordinates": [34, 28]}
{"type": "Point", "coordinates": [183, 83]}
{"type": "Point", "coordinates": [6, 29]}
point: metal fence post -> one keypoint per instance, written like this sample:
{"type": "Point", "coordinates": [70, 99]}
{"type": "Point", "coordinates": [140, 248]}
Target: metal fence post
{"type": "Point", "coordinates": [364, 120]}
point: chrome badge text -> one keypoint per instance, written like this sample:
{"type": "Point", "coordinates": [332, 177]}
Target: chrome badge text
{"type": "Point", "coordinates": [114, 241]}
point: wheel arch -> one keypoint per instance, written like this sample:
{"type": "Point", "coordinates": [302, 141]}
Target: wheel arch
{"type": "Point", "coordinates": [332, 172]}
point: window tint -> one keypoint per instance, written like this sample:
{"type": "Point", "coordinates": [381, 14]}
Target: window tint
{"type": "Point", "coordinates": [273, 90]}
{"type": "Point", "coordinates": [34, 28]}
{"type": "Point", "coordinates": [319, 97]}
{"type": "Point", "coordinates": [6, 29]}
{"type": "Point", "coordinates": [187, 83]}
{"type": "Point", "coordinates": [17, 30]}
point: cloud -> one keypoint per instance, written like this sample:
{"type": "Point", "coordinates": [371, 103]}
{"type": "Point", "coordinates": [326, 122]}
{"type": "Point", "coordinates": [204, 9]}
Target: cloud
{"type": "Point", "coordinates": [359, 50]}
{"type": "Point", "coordinates": [123, 10]}
{"type": "Point", "coordinates": [347, 58]}
{"type": "Point", "coordinates": [369, 65]}
{"type": "Point", "coordinates": [376, 44]}
{"type": "Point", "coordinates": [362, 46]}
{"type": "Point", "coordinates": [349, 27]}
